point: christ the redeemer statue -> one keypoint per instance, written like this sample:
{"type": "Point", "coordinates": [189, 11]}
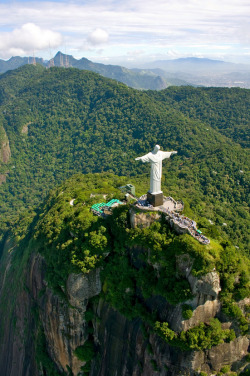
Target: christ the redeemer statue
{"type": "Point", "coordinates": [155, 195]}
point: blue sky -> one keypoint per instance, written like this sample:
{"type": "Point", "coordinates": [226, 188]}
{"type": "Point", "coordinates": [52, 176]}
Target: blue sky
{"type": "Point", "coordinates": [128, 32]}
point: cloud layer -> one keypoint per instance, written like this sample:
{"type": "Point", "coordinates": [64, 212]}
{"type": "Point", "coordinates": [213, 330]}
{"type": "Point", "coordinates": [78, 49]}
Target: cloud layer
{"type": "Point", "coordinates": [97, 37]}
{"type": "Point", "coordinates": [28, 39]}
{"type": "Point", "coordinates": [188, 27]}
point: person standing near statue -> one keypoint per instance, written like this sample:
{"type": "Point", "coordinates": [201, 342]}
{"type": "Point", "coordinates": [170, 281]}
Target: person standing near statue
{"type": "Point", "coordinates": [155, 158]}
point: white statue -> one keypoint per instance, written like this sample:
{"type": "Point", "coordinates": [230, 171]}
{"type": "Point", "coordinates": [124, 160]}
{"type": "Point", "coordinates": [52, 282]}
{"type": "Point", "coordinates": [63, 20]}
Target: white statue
{"type": "Point", "coordinates": [155, 158]}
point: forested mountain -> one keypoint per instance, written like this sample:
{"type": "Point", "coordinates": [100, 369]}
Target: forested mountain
{"type": "Point", "coordinates": [138, 79]}
{"type": "Point", "coordinates": [226, 110]}
{"type": "Point", "coordinates": [204, 72]}
{"type": "Point", "coordinates": [87, 295]}
{"type": "Point", "coordinates": [62, 121]}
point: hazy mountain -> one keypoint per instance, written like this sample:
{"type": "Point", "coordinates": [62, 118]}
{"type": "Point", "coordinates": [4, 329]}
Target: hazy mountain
{"type": "Point", "coordinates": [196, 65]}
{"type": "Point", "coordinates": [17, 61]}
{"type": "Point", "coordinates": [203, 72]}
{"type": "Point", "coordinates": [137, 79]}
{"type": "Point", "coordinates": [154, 76]}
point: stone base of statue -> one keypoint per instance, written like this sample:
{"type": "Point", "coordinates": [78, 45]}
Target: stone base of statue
{"type": "Point", "coordinates": [155, 199]}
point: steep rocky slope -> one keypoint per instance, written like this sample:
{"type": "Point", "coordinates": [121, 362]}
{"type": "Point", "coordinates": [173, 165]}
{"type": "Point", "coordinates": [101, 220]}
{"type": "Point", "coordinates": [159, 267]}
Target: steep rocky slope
{"type": "Point", "coordinates": [107, 319]}
{"type": "Point", "coordinates": [124, 347]}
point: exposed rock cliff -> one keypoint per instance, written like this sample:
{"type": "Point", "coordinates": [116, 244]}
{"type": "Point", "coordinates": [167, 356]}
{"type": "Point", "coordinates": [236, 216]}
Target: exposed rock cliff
{"type": "Point", "coordinates": [126, 349]}
{"type": "Point", "coordinates": [62, 321]}
{"type": "Point", "coordinates": [5, 152]}
{"type": "Point", "coordinates": [142, 219]}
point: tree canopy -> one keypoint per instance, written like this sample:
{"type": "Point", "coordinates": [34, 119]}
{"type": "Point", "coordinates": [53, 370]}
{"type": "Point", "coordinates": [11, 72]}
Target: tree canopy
{"type": "Point", "coordinates": [63, 121]}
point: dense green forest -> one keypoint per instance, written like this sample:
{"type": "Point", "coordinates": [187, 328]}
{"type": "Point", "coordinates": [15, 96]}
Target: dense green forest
{"type": "Point", "coordinates": [63, 121]}
{"type": "Point", "coordinates": [226, 110]}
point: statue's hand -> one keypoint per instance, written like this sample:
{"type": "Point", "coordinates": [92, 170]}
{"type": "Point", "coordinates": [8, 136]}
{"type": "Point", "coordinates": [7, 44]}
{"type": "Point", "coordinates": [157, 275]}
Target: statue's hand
{"type": "Point", "coordinates": [137, 159]}
{"type": "Point", "coordinates": [174, 152]}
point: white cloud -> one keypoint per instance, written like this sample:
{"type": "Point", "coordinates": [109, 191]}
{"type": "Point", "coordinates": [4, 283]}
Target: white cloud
{"type": "Point", "coordinates": [98, 36]}
{"type": "Point", "coordinates": [121, 27]}
{"type": "Point", "coordinates": [28, 38]}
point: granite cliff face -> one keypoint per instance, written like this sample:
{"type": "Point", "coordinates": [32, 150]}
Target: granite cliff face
{"type": "Point", "coordinates": [5, 152]}
{"type": "Point", "coordinates": [123, 347]}
{"type": "Point", "coordinates": [62, 321]}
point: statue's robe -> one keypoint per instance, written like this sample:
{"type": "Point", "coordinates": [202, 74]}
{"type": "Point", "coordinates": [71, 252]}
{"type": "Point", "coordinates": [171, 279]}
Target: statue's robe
{"type": "Point", "coordinates": [155, 160]}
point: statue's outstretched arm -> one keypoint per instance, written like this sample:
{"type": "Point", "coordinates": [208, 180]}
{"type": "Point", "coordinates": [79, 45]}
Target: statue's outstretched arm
{"type": "Point", "coordinates": [167, 154]}
{"type": "Point", "coordinates": [144, 158]}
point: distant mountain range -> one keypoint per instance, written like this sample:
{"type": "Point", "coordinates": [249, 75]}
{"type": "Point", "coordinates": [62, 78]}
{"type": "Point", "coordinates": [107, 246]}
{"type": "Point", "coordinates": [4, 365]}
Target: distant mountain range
{"type": "Point", "coordinates": [204, 72]}
{"type": "Point", "coordinates": [196, 65]}
{"type": "Point", "coordinates": [156, 75]}
{"type": "Point", "coordinates": [137, 79]}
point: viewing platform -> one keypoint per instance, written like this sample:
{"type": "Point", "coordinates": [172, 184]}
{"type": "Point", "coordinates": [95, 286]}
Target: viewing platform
{"type": "Point", "coordinates": [180, 223]}
{"type": "Point", "coordinates": [171, 208]}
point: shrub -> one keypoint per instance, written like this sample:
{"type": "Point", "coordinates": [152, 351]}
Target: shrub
{"type": "Point", "coordinates": [86, 352]}
{"type": "Point", "coordinates": [225, 369]}
{"type": "Point", "coordinates": [164, 331]}
{"type": "Point", "coordinates": [247, 358]}
{"type": "Point", "coordinates": [154, 364]}
{"type": "Point", "coordinates": [187, 311]}
{"type": "Point", "coordinates": [245, 372]}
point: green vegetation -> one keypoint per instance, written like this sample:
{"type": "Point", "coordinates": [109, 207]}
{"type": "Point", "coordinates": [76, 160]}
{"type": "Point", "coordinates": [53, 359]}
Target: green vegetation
{"type": "Point", "coordinates": [245, 372]}
{"type": "Point", "coordinates": [70, 237]}
{"type": "Point", "coordinates": [85, 352]}
{"type": "Point", "coordinates": [42, 356]}
{"type": "Point", "coordinates": [65, 121]}
{"type": "Point", "coordinates": [226, 110]}
{"type": "Point", "coordinates": [187, 311]}
{"type": "Point", "coordinates": [225, 369]}
{"type": "Point", "coordinates": [200, 337]}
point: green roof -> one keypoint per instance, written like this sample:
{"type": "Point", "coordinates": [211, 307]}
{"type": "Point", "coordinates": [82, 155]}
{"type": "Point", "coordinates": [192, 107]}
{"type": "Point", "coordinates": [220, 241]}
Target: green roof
{"type": "Point", "coordinates": [98, 207]}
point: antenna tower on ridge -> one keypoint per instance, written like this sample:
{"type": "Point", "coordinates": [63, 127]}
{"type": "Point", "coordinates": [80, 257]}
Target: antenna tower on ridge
{"type": "Point", "coordinates": [34, 59]}
{"type": "Point", "coordinates": [61, 60]}
{"type": "Point", "coordinates": [51, 60]}
{"type": "Point", "coordinates": [66, 61]}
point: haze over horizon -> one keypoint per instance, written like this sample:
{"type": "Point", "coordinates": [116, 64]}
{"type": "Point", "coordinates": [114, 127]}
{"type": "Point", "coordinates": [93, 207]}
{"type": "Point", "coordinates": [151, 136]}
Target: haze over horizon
{"type": "Point", "coordinates": [126, 33]}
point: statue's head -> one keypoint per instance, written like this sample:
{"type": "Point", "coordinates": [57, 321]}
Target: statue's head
{"type": "Point", "coordinates": [156, 148]}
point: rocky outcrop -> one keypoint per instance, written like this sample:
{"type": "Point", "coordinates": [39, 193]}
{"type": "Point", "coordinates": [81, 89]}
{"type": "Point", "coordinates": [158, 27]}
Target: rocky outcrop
{"type": "Point", "coordinates": [3, 178]}
{"type": "Point", "coordinates": [64, 324]}
{"type": "Point", "coordinates": [25, 128]}
{"type": "Point", "coordinates": [5, 152]}
{"type": "Point", "coordinates": [17, 350]}
{"type": "Point", "coordinates": [226, 353]}
{"type": "Point", "coordinates": [143, 219]}
{"type": "Point", "coordinates": [62, 320]}
{"type": "Point", "coordinates": [126, 349]}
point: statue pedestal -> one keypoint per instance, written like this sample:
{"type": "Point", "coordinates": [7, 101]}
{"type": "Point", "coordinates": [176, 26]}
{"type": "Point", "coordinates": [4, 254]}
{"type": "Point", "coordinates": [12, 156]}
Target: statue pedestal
{"type": "Point", "coordinates": [155, 199]}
